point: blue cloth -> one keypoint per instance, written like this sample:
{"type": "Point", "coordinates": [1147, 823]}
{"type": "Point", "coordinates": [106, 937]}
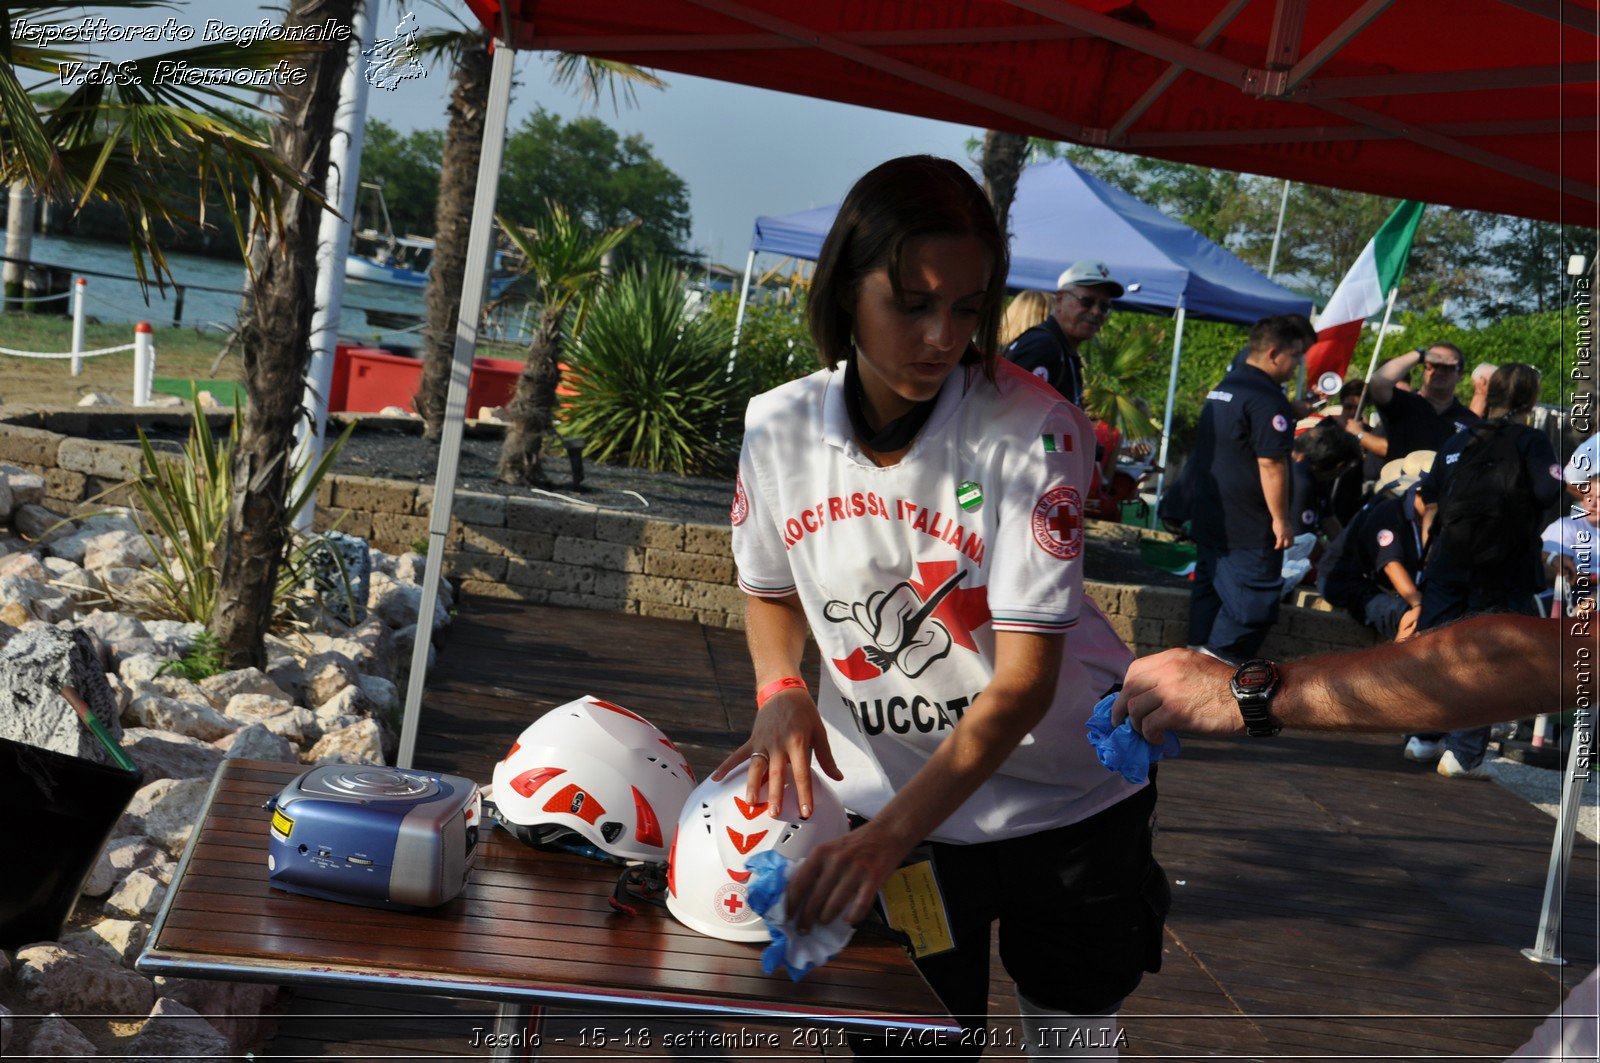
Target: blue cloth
{"type": "Point", "coordinates": [799, 954]}
{"type": "Point", "coordinates": [1120, 749]}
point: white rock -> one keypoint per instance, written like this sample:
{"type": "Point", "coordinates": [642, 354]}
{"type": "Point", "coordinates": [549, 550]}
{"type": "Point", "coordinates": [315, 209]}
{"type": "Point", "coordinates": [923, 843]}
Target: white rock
{"type": "Point", "coordinates": [382, 562]}
{"type": "Point", "coordinates": [288, 674]}
{"type": "Point", "coordinates": [174, 636]}
{"type": "Point", "coordinates": [139, 895]}
{"type": "Point", "coordinates": [39, 524]}
{"type": "Point", "coordinates": [335, 721]}
{"type": "Point", "coordinates": [120, 856]}
{"type": "Point", "coordinates": [114, 518]}
{"type": "Point", "coordinates": [55, 1036]}
{"type": "Point", "coordinates": [54, 978]}
{"type": "Point", "coordinates": [141, 667]}
{"type": "Point", "coordinates": [118, 939]}
{"type": "Point", "coordinates": [119, 690]}
{"type": "Point", "coordinates": [27, 488]}
{"type": "Point", "coordinates": [351, 701]}
{"type": "Point", "coordinates": [168, 756]}
{"type": "Point", "coordinates": [398, 603]}
{"type": "Point", "coordinates": [162, 713]}
{"type": "Point", "coordinates": [175, 1032]}
{"type": "Point", "coordinates": [26, 566]}
{"type": "Point", "coordinates": [176, 686]}
{"type": "Point", "coordinates": [78, 584]}
{"type": "Point", "coordinates": [378, 655]}
{"type": "Point", "coordinates": [405, 640]}
{"type": "Point", "coordinates": [363, 741]}
{"type": "Point", "coordinates": [257, 742]}
{"type": "Point", "coordinates": [99, 398]}
{"type": "Point", "coordinates": [222, 687]}
{"type": "Point", "coordinates": [326, 675]}
{"type": "Point", "coordinates": [238, 1010]}
{"type": "Point", "coordinates": [70, 547]}
{"type": "Point", "coordinates": [123, 579]}
{"type": "Point", "coordinates": [39, 599]}
{"type": "Point", "coordinates": [395, 411]}
{"type": "Point", "coordinates": [410, 566]}
{"type": "Point", "coordinates": [124, 635]}
{"type": "Point", "coordinates": [166, 811]}
{"type": "Point", "coordinates": [280, 717]}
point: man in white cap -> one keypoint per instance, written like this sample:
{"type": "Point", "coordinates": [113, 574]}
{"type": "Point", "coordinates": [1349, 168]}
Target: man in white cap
{"type": "Point", "coordinates": [1050, 350]}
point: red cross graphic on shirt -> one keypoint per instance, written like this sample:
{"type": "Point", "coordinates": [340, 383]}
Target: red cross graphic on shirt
{"type": "Point", "coordinates": [733, 902]}
{"type": "Point", "coordinates": [1063, 522]}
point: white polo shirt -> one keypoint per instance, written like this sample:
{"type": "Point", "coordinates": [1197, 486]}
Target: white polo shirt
{"type": "Point", "coordinates": [906, 573]}
{"type": "Point", "coordinates": [1575, 537]}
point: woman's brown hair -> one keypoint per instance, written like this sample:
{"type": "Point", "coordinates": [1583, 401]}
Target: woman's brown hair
{"type": "Point", "coordinates": [904, 198]}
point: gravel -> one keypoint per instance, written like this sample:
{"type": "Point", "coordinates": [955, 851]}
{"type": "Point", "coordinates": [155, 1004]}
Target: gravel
{"type": "Point", "coordinates": [1541, 787]}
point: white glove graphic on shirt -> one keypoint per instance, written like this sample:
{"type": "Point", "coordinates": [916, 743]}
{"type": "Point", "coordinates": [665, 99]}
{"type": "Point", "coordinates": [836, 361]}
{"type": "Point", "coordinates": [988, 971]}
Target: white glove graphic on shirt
{"type": "Point", "coordinates": [897, 622]}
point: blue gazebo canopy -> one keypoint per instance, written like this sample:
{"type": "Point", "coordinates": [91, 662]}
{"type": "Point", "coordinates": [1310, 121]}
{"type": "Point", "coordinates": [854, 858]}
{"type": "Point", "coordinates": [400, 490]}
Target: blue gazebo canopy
{"type": "Point", "coordinates": [1062, 214]}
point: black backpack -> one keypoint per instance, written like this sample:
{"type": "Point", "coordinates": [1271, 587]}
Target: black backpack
{"type": "Point", "coordinates": [1489, 516]}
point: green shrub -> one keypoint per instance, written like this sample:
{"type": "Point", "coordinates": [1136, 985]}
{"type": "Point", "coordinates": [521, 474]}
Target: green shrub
{"type": "Point", "coordinates": [774, 343]}
{"type": "Point", "coordinates": [202, 660]}
{"type": "Point", "coordinates": [652, 385]}
{"type": "Point", "coordinates": [187, 501]}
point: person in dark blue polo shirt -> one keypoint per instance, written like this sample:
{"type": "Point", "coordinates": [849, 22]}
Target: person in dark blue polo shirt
{"type": "Point", "coordinates": [1236, 488]}
{"type": "Point", "coordinates": [1380, 556]}
{"type": "Point", "coordinates": [1485, 552]}
{"type": "Point", "coordinates": [1422, 419]}
{"type": "Point", "coordinates": [1050, 350]}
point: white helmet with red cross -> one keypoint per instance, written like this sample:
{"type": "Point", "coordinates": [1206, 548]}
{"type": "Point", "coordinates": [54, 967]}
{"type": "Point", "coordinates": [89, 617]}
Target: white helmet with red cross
{"type": "Point", "coordinates": [597, 770]}
{"type": "Point", "coordinates": [719, 831]}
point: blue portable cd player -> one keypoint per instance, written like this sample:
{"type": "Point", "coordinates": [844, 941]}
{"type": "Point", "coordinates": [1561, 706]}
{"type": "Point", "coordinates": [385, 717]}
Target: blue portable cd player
{"type": "Point", "coordinates": [371, 835]}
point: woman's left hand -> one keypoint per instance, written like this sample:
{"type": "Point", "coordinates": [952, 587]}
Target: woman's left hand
{"type": "Point", "coordinates": [840, 878]}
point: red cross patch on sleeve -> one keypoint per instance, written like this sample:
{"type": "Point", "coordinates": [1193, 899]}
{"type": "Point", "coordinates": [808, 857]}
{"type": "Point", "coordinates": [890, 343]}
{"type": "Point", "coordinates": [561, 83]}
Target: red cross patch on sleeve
{"type": "Point", "coordinates": [1058, 523]}
{"type": "Point", "coordinates": [741, 504]}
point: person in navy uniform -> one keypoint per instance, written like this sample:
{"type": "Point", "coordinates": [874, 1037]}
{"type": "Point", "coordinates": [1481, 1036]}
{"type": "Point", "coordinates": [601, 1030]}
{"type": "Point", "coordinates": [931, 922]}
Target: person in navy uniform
{"type": "Point", "coordinates": [1416, 420]}
{"type": "Point", "coordinates": [1322, 454]}
{"type": "Point", "coordinates": [1236, 486]}
{"type": "Point", "coordinates": [1050, 350]}
{"type": "Point", "coordinates": [1376, 575]}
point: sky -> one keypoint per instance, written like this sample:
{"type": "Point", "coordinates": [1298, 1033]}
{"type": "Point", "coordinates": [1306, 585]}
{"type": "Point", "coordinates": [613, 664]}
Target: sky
{"type": "Point", "coordinates": [741, 151]}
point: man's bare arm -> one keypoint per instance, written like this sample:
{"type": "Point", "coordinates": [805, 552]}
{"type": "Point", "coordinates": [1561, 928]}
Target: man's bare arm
{"type": "Point", "coordinates": [1380, 389]}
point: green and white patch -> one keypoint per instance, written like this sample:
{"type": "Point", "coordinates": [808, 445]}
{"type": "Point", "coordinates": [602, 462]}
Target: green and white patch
{"type": "Point", "coordinates": [1056, 443]}
{"type": "Point", "coordinates": [969, 495]}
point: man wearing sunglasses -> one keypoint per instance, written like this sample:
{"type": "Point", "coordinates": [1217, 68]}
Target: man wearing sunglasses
{"type": "Point", "coordinates": [1050, 350]}
{"type": "Point", "coordinates": [1421, 419]}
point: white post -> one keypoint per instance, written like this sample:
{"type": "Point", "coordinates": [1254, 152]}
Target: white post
{"type": "Point", "coordinates": [1383, 330]}
{"type": "Point", "coordinates": [1277, 234]}
{"type": "Point", "coordinates": [480, 245]}
{"type": "Point", "coordinates": [744, 298]}
{"type": "Point", "coordinates": [1555, 884]}
{"type": "Point", "coordinates": [1172, 393]}
{"type": "Point", "coordinates": [144, 362]}
{"type": "Point", "coordinates": [333, 244]}
{"type": "Point", "coordinates": [77, 324]}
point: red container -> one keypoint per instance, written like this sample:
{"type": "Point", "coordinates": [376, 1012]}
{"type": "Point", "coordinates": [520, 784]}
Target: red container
{"type": "Point", "coordinates": [375, 379]}
{"type": "Point", "coordinates": [493, 382]}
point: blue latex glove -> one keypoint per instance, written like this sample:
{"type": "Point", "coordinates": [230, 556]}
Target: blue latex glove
{"type": "Point", "coordinates": [1122, 748]}
{"type": "Point", "coordinates": [799, 953]}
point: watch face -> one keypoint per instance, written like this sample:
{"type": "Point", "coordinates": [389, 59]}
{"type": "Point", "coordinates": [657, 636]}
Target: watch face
{"type": "Point", "coordinates": [1254, 679]}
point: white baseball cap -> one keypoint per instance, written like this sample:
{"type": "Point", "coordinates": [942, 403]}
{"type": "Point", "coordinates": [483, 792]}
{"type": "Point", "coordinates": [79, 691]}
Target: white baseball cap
{"type": "Point", "coordinates": [1087, 271]}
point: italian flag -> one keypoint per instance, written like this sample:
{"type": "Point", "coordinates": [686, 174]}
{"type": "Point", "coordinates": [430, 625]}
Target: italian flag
{"type": "Point", "coordinates": [1363, 292]}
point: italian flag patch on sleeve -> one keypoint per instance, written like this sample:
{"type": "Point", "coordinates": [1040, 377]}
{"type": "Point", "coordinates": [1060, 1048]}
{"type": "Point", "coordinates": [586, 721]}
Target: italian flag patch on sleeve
{"type": "Point", "coordinates": [1056, 443]}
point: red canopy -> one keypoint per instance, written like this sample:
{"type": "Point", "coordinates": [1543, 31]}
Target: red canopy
{"type": "Point", "coordinates": [1484, 104]}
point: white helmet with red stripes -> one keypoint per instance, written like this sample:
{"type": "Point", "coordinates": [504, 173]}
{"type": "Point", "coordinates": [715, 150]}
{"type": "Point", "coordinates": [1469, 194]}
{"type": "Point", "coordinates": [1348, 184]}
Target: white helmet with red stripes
{"type": "Point", "coordinates": [719, 831]}
{"type": "Point", "coordinates": [597, 770]}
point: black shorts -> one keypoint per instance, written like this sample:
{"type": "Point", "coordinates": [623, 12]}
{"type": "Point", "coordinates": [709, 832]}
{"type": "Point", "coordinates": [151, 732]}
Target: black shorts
{"type": "Point", "coordinates": [1081, 910]}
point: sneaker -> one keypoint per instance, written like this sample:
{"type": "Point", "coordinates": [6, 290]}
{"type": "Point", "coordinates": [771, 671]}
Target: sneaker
{"type": "Point", "coordinates": [1451, 768]}
{"type": "Point", "coordinates": [1423, 750]}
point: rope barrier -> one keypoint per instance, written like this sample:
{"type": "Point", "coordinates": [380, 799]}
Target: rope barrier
{"type": "Point", "coordinates": [66, 354]}
{"type": "Point", "coordinates": [38, 298]}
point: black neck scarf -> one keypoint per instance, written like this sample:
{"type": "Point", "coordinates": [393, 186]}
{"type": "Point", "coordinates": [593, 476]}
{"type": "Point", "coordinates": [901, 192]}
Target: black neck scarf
{"type": "Point", "coordinates": [894, 435]}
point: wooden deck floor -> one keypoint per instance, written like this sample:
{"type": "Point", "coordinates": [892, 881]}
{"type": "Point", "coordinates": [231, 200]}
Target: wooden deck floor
{"type": "Point", "coordinates": [1330, 899]}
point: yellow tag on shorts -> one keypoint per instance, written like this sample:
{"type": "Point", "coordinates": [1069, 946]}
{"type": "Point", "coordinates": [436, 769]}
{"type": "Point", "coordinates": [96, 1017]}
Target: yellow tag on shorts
{"type": "Point", "coordinates": [913, 905]}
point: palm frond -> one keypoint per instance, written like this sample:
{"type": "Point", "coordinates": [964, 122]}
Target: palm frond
{"type": "Point", "coordinates": [591, 78]}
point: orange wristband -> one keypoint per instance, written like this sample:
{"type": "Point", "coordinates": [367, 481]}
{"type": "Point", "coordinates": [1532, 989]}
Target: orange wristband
{"type": "Point", "coordinates": [778, 686]}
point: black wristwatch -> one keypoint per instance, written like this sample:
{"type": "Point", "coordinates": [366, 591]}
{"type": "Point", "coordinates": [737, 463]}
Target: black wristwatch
{"type": "Point", "coordinates": [1253, 684]}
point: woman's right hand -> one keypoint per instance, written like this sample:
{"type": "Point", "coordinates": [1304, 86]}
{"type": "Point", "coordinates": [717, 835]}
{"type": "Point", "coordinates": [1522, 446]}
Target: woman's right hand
{"type": "Point", "coordinates": [787, 730]}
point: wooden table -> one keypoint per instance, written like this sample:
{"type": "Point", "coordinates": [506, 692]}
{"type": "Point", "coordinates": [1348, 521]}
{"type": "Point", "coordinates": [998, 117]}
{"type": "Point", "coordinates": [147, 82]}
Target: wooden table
{"type": "Point", "coordinates": [531, 929]}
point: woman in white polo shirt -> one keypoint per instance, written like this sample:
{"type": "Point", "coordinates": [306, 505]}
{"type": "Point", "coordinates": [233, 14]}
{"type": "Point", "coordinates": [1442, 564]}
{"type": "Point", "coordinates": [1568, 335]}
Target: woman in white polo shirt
{"type": "Point", "coordinates": [917, 507]}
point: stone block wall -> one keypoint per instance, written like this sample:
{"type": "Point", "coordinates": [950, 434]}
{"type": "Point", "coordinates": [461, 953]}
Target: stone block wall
{"type": "Point", "coordinates": [549, 552]}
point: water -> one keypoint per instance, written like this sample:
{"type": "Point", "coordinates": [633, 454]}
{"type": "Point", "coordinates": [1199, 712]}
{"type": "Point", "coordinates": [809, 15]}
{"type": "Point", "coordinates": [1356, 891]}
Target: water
{"type": "Point", "coordinates": [121, 301]}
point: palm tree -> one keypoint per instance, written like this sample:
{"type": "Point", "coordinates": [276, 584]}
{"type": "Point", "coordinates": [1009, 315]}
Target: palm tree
{"type": "Point", "coordinates": [468, 52]}
{"type": "Point", "coordinates": [562, 260]}
{"type": "Point", "coordinates": [1004, 156]}
{"type": "Point", "coordinates": [1110, 375]}
{"type": "Point", "coordinates": [274, 336]}
{"type": "Point", "coordinates": [132, 141]}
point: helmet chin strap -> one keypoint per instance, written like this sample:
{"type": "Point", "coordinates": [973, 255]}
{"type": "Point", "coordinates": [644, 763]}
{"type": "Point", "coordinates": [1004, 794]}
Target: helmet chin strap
{"type": "Point", "coordinates": [1058, 1035]}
